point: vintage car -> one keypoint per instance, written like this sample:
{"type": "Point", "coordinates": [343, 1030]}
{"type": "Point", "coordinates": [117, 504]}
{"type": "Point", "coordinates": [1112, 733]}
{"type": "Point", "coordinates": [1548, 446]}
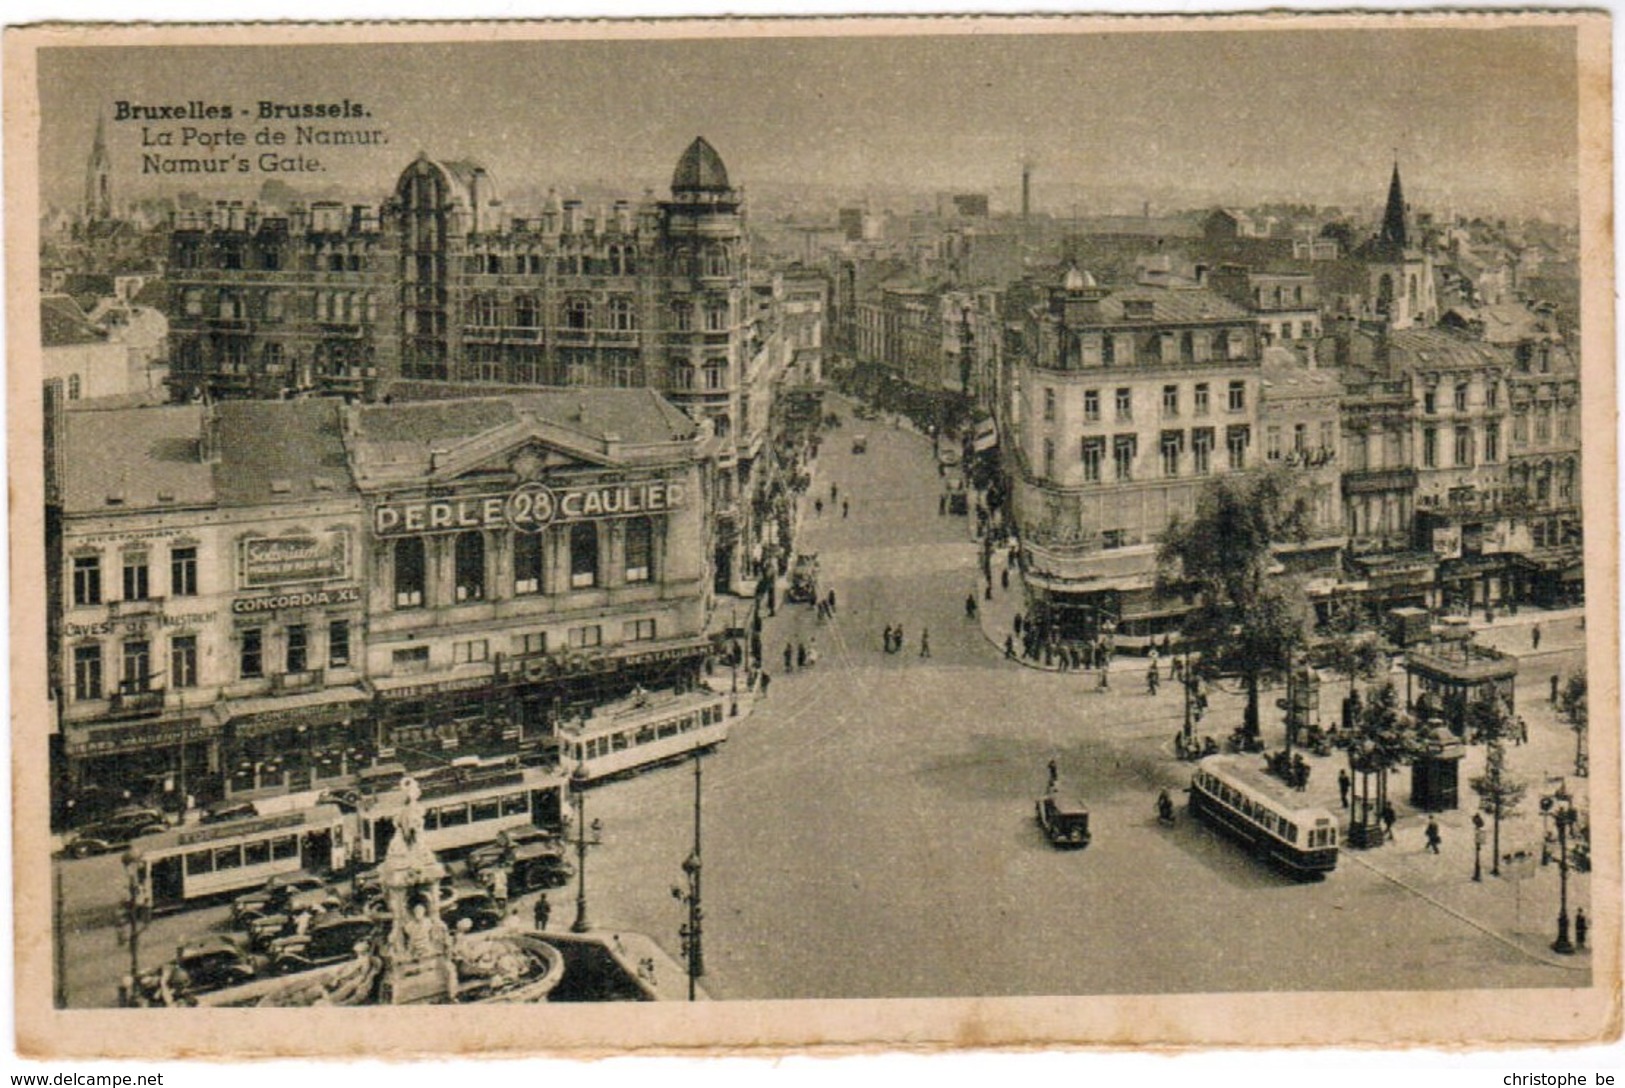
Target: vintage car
{"type": "Point", "coordinates": [860, 443]}
{"type": "Point", "coordinates": [331, 940]}
{"type": "Point", "coordinates": [478, 909]}
{"type": "Point", "coordinates": [1064, 821]}
{"type": "Point", "coordinates": [116, 831]}
{"type": "Point", "coordinates": [274, 896]}
{"type": "Point", "coordinates": [534, 858]}
{"type": "Point", "coordinates": [958, 500]}
{"type": "Point", "coordinates": [210, 963]}
{"type": "Point", "coordinates": [804, 578]}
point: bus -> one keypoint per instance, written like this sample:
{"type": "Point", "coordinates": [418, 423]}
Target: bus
{"type": "Point", "coordinates": [644, 730]}
{"type": "Point", "coordinates": [202, 862]}
{"type": "Point", "coordinates": [1235, 795]}
{"type": "Point", "coordinates": [463, 807]}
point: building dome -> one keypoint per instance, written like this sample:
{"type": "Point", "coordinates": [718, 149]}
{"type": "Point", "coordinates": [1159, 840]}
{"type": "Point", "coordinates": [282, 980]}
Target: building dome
{"type": "Point", "coordinates": [700, 170]}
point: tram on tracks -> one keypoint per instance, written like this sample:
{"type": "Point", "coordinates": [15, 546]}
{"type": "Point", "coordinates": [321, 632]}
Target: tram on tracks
{"type": "Point", "coordinates": [1235, 795]}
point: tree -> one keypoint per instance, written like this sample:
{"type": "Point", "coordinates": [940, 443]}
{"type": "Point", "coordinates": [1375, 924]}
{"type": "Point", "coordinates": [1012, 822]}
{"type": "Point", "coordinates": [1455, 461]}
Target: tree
{"type": "Point", "coordinates": [1350, 648]}
{"type": "Point", "coordinates": [1247, 621]}
{"type": "Point", "coordinates": [1498, 790]}
{"type": "Point", "coordinates": [1384, 737]}
{"type": "Point", "coordinates": [1571, 704]}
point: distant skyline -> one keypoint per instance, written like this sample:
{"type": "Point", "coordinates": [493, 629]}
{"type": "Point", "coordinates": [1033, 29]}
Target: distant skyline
{"type": "Point", "coordinates": [1479, 119]}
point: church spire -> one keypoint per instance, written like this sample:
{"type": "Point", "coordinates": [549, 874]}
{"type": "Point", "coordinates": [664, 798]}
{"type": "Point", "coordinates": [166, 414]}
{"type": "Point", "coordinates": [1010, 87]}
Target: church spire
{"type": "Point", "coordinates": [1393, 219]}
{"type": "Point", "coordinates": [98, 187]}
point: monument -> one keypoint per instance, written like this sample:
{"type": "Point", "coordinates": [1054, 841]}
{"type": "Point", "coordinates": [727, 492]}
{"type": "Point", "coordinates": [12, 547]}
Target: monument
{"type": "Point", "coordinates": [418, 966]}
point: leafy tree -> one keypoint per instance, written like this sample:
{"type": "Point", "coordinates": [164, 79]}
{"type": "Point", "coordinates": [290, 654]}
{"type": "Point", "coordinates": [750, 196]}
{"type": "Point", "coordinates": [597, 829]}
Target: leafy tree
{"type": "Point", "coordinates": [1350, 648]}
{"type": "Point", "coordinates": [1247, 621]}
{"type": "Point", "coordinates": [1384, 737]}
{"type": "Point", "coordinates": [1489, 720]}
{"type": "Point", "coordinates": [1571, 704]}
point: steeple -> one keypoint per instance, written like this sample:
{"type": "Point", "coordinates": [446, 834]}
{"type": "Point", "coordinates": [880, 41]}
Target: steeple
{"type": "Point", "coordinates": [98, 192]}
{"type": "Point", "coordinates": [1393, 219]}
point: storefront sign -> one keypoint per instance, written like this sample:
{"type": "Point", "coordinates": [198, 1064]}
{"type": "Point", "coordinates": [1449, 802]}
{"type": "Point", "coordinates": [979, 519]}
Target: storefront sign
{"type": "Point", "coordinates": [529, 508]}
{"type": "Point", "coordinates": [289, 560]}
{"type": "Point", "coordinates": [235, 830]}
{"type": "Point", "coordinates": [585, 662]}
{"type": "Point", "coordinates": [310, 598]}
{"type": "Point", "coordinates": [1447, 541]}
{"type": "Point", "coordinates": [276, 721]}
{"type": "Point", "coordinates": [418, 691]}
{"type": "Point", "coordinates": [138, 737]}
{"type": "Point", "coordinates": [135, 625]}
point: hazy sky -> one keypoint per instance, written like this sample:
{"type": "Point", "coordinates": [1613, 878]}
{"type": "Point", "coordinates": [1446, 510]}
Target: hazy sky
{"type": "Point", "coordinates": [1478, 117]}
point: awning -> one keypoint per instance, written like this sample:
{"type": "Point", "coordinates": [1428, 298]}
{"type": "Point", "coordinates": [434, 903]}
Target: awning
{"type": "Point", "coordinates": [85, 739]}
{"type": "Point", "coordinates": [326, 706]}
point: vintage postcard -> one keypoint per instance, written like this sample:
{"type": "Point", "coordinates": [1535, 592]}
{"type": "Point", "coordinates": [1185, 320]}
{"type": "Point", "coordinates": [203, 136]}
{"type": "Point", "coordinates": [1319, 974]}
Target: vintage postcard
{"type": "Point", "coordinates": [580, 537]}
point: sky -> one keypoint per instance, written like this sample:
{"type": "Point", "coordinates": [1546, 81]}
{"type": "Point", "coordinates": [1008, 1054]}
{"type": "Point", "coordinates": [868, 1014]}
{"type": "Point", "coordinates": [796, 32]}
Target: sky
{"type": "Point", "coordinates": [1478, 118]}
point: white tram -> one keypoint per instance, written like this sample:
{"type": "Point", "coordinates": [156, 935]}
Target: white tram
{"type": "Point", "coordinates": [642, 730]}
{"type": "Point", "coordinates": [1234, 794]}
{"type": "Point", "coordinates": [206, 861]}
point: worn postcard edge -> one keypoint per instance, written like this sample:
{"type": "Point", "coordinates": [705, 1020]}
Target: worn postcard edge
{"type": "Point", "coordinates": [1447, 1019]}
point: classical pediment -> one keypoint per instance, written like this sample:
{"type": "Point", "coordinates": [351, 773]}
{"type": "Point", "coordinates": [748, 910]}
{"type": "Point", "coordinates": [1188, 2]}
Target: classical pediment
{"type": "Point", "coordinates": [528, 450]}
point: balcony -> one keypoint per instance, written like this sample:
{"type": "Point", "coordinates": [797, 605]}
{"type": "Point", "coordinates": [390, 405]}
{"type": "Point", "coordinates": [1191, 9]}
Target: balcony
{"type": "Point", "coordinates": [144, 606]}
{"type": "Point", "coordinates": [287, 682]}
{"type": "Point", "coordinates": [131, 701]}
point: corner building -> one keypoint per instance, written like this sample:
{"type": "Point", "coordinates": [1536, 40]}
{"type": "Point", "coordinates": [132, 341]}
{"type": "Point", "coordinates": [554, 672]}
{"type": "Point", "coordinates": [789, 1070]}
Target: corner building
{"type": "Point", "coordinates": [1120, 402]}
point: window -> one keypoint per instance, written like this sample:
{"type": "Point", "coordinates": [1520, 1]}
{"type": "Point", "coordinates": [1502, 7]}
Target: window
{"type": "Point", "coordinates": [578, 313]}
{"type": "Point", "coordinates": [338, 644]}
{"type": "Point", "coordinates": [716, 373]}
{"type": "Point", "coordinates": [251, 656]}
{"type": "Point", "coordinates": [583, 555]}
{"type": "Point", "coordinates": [639, 549]}
{"type": "Point", "coordinates": [471, 652]}
{"type": "Point", "coordinates": [470, 564]}
{"type": "Point", "coordinates": [183, 661]}
{"type": "Point", "coordinates": [1492, 443]}
{"type": "Point", "coordinates": [1202, 450]}
{"type": "Point", "coordinates": [1300, 437]}
{"type": "Point", "coordinates": [1125, 404]}
{"type": "Point", "coordinates": [75, 387]}
{"type": "Point", "coordinates": [1430, 447]}
{"type": "Point", "coordinates": [583, 637]}
{"type": "Point", "coordinates": [409, 573]}
{"type": "Point", "coordinates": [639, 631]}
{"type": "Point", "coordinates": [1123, 450]}
{"type": "Point", "coordinates": [413, 659]}
{"type": "Point", "coordinates": [682, 316]}
{"type": "Point", "coordinates": [622, 317]}
{"type": "Point", "coordinates": [1327, 439]}
{"type": "Point", "coordinates": [1094, 452]}
{"type": "Point", "coordinates": [1173, 444]}
{"type": "Point", "coordinates": [1464, 446]}
{"type": "Point", "coordinates": [1049, 405]}
{"type": "Point", "coordinates": [87, 672]}
{"type": "Point", "coordinates": [1170, 401]}
{"type": "Point", "coordinates": [87, 580]}
{"type": "Point", "coordinates": [1049, 457]}
{"type": "Point", "coordinates": [298, 648]}
{"type": "Point", "coordinates": [1492, 395]}
{"type": "Point", "coordinates": [1430, 401]}
{"type": "Point", "coordinates": [527, 563]}
{"type": "Point", "coordinates": [716, 317]}
{"type": "Point", "coordinates": [1565, 421]}
{"type": "Point", "coordinates": [135, 576]}
{"type": "Point", "coordinates": [1272, 442]}
{"type": "Point", "coordinates": [1238, 396]}
{"type": "Point", "coordinates": [1108, 351]}
{"type": "Point", "coordinates": [183, 572]}
{"type": "Point", "coordinates": [1113, 538]}
{"type": "Point", "coordinates": [1461, 396]}
{"type": "Point", "coordinates": [534, 642]}
{"type": "Point", "coordinates": [1201, 399]}
{"type": "Point", "coordinates": [1237, 439]}
{"type": "Point", "coordinates": [1520, 429]}
{"type": "Point", "coordinates": [1091, 406]}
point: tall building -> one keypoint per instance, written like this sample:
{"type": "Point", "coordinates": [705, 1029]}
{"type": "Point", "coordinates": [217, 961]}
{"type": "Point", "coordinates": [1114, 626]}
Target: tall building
{"type": "Point", "coordinates": [1399, 287]}
{"type": "Point", "coordinates": [98, 202]}
{"type": "Point", "coordinates": [1117, 406]}
{"type": "Point", "coordinates": [441, 284]}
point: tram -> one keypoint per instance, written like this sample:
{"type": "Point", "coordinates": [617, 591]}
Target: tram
{"type": "Point", "coordinates": [1235, 795]}
{"type": "Point", "coordinates": [644, 730]}
{"type": "Point", "coordinates": [463, 809]}
{"type": "Point", "coordinates": [206, 861]}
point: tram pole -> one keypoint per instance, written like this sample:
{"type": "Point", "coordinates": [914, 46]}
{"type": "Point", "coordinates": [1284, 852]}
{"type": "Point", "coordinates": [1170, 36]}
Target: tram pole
{"type": "Point", "coordinates": [691, 932]}
{"type": "Point", "coordinates": [578, 786]}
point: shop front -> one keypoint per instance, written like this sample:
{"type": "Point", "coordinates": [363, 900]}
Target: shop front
{"type": "Point", "coordinates": [297, 743]}
{"type": "Point", "coordinates": [158, 761]}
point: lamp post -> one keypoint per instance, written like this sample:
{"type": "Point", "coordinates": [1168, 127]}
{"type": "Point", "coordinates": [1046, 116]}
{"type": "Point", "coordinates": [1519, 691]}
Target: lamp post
{"type": "Point", "coordinates": [578, 790]}
{"type": "Point", "coordinates": [1560, 807]}
{"type": "Point", "coordinates": [1478, 847]}
{"type": "Point", "coordinates": [691, 932]}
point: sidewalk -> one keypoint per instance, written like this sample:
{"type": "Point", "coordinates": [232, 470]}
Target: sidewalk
{"type": "Point", "coordinates": [637, 953]}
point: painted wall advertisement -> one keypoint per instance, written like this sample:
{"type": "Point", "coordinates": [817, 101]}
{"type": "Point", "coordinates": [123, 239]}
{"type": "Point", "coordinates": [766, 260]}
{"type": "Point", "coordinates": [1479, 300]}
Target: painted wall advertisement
{"type": "Point", "coordinates": [265, 561]}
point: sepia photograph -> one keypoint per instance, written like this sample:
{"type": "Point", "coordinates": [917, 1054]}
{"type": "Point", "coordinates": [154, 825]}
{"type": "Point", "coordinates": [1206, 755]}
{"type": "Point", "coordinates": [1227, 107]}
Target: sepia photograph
{"type": "Point", "coordinates": [961, 532]}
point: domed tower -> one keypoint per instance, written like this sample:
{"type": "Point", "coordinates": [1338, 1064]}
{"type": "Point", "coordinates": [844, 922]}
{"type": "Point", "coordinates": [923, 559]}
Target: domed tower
{"type": "Point", "coordinates": [706, 266]}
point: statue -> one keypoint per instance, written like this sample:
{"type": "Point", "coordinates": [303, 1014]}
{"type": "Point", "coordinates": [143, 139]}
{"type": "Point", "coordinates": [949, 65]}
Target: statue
{"type": "Point", "coordinates": [409, 825]}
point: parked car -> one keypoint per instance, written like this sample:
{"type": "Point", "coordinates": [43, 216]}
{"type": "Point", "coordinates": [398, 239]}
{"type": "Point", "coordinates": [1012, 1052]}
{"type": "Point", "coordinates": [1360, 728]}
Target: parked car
{"type": "Point", "coordinates": [115, 831]}
{"type": "Point", "coordinates": [804, 578]}
{"type": "Point", "coordinates": [273, 897]}
{"type": "Point", "coordinates": [330, 940]}
{"type": "Point", "coordinates": [534, 858]}
{"type": "Point", "coordinates": [478, 908]}
{"type": "Point", "coordinates": [221, 811]}
{"type": "Point", "coordinates": [860, 443]}
{"type": "Point", "coordinates": [264, 930]}
{"type": "Point", "coordinates": [1064, 821]}
{"type": "Point", "coordinates": [211, 963]}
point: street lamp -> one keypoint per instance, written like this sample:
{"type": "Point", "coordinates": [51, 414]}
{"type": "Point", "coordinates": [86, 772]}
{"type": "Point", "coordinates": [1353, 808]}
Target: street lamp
{"type": "Point", "coordinates": [691, 931]}
{"type": "Point", "coordinates": [1478, 847]}
{"type": "Point", "coordinates": [578, 790]}
{"type": "Point", "coordinates": [1560, 807]}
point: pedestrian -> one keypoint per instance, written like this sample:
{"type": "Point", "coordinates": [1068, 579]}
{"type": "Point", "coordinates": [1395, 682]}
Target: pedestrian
{"type": "Point", "coordinates": [833, 492]}
{"type": "Point", "coordinates": [1004, 578]}
{"type": "Point", "coordinates": [818, 507]}
{"type": "Point", "coordinates": [970, 606]}
{"type": "Point", "coordinates": [1554, 689]}
{"type": "Point", "coordinates": [1018, 624]}
{"type": "Point", "coordinates": [1388, 819]}
{"type": "Point", "coordinates": [789, 657]}
{"type": "Point", "coordinates": [1105, 683]}
{"type": "Point", "coordinates": [499, 888]}
{"type": "Point", "coordinates": [1534, 637]}
{"type": "Point", "coordinates": [925, 642]}
{"type": "Point", "coordinates": [897, 637]}
{"type": "Point", "coordinates": [542, 911]}
{"type": "Point", "coordinates": [844, 508]}
{"type": "Point", "coordinates": [1151, 679]}
{"type": "Point", "coordinates": [801, 655]}
{"type": "Point", "coordinates": [831, 601]}
{"type": "Point", "coordinates": [1009, 647]}
{"type": "Point", "coordinates": [1523, 730]}
{"type": "Point", "coordinates": [765, 679]}
{"type": "Point", "coordinates": [1343, 785]}
{"type": "Point", "coordinates": [1581, 927]}
{"type": "Point", "coordinates": [942, 505]}
{"type": "Point", "coordinates": [1054, 775]}
{"type": "Point", "coordinates": [1432, 835]}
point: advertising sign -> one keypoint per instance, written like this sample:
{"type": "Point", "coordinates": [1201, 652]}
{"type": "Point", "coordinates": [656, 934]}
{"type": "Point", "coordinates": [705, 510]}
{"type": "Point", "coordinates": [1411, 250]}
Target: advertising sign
{"type": "Point", "coordinates": [529, 508]}
{"type": "Point", "coordinates": [264, 561]}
